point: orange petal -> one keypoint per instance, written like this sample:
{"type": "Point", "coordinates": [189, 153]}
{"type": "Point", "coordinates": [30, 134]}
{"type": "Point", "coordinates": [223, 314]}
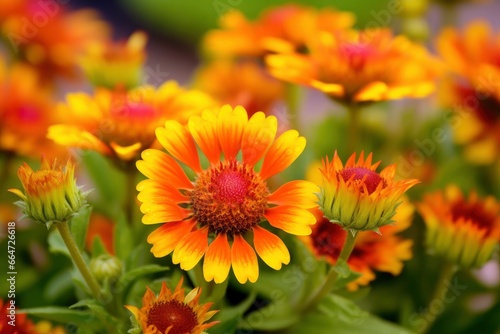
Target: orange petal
{"type": "Point", "coordinates": [282, 153]}
{"type": "Point", "coordinates": [290, 219]}
{"type": "Point", "coordinates": [126, 152]}
{"type": "Point", "coordinates": [258, 137]}
{"type": "Point", "coordinates": [162, 213]}
{"type": "Point", "coordinates": [166, 237]}
{"type": "Point", "coordinates": [270, 248]}
{"type": "Point", "coordinates": [244, 260]}
{"type": "Point", "coordinates": [298, 193]}
{"type": "Point", "coordinates": [217, 260]}
{"type": "Point", "coordinates": [191, 249]}
{"type": "Point", "coordinates": [230, 125]}
{"type": "Point", "coordinates": [204, 131]}
{"type": "Point", "coordinates": [158, 192]}
{"type": "Point", "coordinates": [179, 142]}
{"type": "Point", "coordinates": [159, 166]}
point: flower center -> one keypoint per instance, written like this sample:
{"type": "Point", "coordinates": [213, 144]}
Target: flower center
{"type": "Point", "coordinates": [229, 198]}
{"type": "Point", "coordinates": [173, 313]}
{"type": "Point", "coordinates": [358, 174]}
{"type": "Point", "coordinates": [474, 213]}
{"type": "Point", "coordinates": [328, 239]}
{"type": "Point", "coordinates": [357, 54]}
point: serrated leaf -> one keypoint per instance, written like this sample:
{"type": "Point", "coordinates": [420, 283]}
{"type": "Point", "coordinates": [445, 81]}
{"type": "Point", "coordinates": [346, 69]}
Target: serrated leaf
{"type": "Point", "coordinates": [79, 225]}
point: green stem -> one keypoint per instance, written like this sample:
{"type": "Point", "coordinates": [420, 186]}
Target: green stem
{"type": "Point", "coordinates": [293, 105]}
{"type": "Point", "coordinates": [442, 287]}
{"type": "Point", "coordinates": [6, 168]}
{"type": "Point", "coordinates": [78, 259]}
{"type": "Point", "coordinates": [333, 273]}
{"type": "Point", "coordinates": [353, 128]}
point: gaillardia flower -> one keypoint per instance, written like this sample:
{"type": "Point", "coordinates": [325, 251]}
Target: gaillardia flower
{"type": "Point", "coordinates": [464, 231]}
{"type": "Point", "coordinates": [50, 194]}
{"type": "Point", "coordinates": [359, 66]}
{"type": "Point", "coordinates": [215, 215]}
{"type": "Point", "coordinates": [8, 312]}
{"type": "Point", "coordinates": [356, 197]}
{"type": "Point", "coordinates": [172, 312]}
{"type": "Point", "coordinates": [383, 252]}
{"type": "Point", "coordinates": [473, 92]}
{"type": "Point", "coordinates": [122, 123]}
{"type": "Point", "coordinates": [285, 28]}
{"type": "Point", "coordinates": [110, 65]}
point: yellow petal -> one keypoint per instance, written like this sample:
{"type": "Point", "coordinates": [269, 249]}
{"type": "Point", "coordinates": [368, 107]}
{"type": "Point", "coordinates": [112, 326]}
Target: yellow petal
{"type": "Point", "coordinates": [282, 153]}
{"type": "Point", "coordinates": [297, 193]}
{"type": "Point", "coordinates": [166, 237]}
{"type": "Point", "coordinates": [204, 131]}
{"type": "Point", "coordinates": [258, 137]}
{"type": "Point", "coordinates": [217, 260]}
{"type": "Point", "coordinates": [270, 248]}
{"type": "Point", "coordinates": [179, 142]}
{"type": "Point", "coordinates": [73, 136]}
{"type": "Point", "coordinates": [244, 260]}
{"type": "Point", "coordinates": [161, 167]}
{"type": "Point", "coordinates": [191, 249]}
{"type": "Point", "coordinates": [290, 219]}
{"type": "Point", "coordinates": [230, 125]}
{"type": "Point", "coordinates": [126, 152]}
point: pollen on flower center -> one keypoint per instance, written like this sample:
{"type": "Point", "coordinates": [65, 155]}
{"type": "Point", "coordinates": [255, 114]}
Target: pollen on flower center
{"type": "Point", "coordinates": [371, 179]}
{"type": "Point", "coordinates": [229, 198]}
{"type": "Point", "coordinates": [180, 317]}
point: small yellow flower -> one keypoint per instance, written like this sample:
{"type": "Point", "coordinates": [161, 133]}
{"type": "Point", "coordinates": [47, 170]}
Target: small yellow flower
{"type": "Point", "coordinates": [50, 194]}
{"type": "Point", "coordinates": [45, 327]}
{"type": "Point", "coordinates": [111, 65]}
{"type": "Point", "coordinates": [464, 231]}
{"type": "Point", "coordinates": [357, 197]}
{"type": "Point", "coordinates": [172, 312]}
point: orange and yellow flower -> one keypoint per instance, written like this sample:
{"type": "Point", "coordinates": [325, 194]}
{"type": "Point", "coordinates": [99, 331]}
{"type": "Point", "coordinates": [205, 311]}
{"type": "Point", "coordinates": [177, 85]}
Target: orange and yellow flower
{"type": "Point", "coordinates": [383, 252]}
{"type": "Point", "coordinates": [215, 215]}
{"type": "Point", "coordinates": [284, 28]}
{"type": "Point", "coordinates": [359, 66]}
{"type": "Point", "coordinates": [474, 94]}
{"type": "Point", "coordinates": [122, 123]}
{"type": "Point", "coordinates": [50, 194]}
{"type": "Point", "coordinates": [45, 327]}
{"type": "Point", "coordinates": [50, 38]}
{"type": "Point", "coordinates": [172, 312]}
{"type": "Point", "coordinates": [8, 312]}
{"type": "Point", "coordinates": [463, 230]}
{"type": "Point", "coordinates": [356, 197]}
{"type": "Point", "coordinates": [25, 112]}
{"type": "Point", "coordinates": [240, 83]}
{"type": "Point", "coordinates": [111, 65]}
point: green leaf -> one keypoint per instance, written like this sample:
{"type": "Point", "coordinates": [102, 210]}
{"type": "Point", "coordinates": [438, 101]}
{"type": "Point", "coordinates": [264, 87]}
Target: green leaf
{"type": "Point", "coordinates": [79, 225]}
{"type": "Point", "coordinates": [275, 316]}
{"type": "Point", "coordinates": [98, 248]}
{"type": "Point", "coordinates": [123, 238]}
{"type": "Point", "coordinates": [343, 281]}
{"type": "Point", "coordinates": [64, 315]}
{"type": "Point", "coordinates": [56, 243]}
{"type": "Point", "coordinates": [230, 317]}
{"type": "Point", "coordinates": [346, 318]}
{"type": "Point", "coordinates": [130, 277]}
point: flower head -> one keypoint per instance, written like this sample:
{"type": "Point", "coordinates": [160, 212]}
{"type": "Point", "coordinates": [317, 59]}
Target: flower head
{"type": "Point", "coordinates": [356, 197]}
{"type": "Point", "coordinates": [463, 230]}
{"type": "Point", "coordinates": [50, 194]}
{"type": "Point", "coordinates": [110, 65]}
{"type": "Point", "coordinates": [240, 83]}
{"type": "Point", "coordinates": [172, 312]}
{"type": "Point", "coordinates": [284, 28]}
{"type": "Point", "coordinates": [472, 56]}
{"type": "Point", "coordinates": [228, 199]}
{"type": "Point", "coordinates": [359, 66]}
{"type": "Point", "coordinates": [122, 123]}
{"type": "Point", "coordinates": [383, 252]}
